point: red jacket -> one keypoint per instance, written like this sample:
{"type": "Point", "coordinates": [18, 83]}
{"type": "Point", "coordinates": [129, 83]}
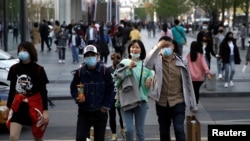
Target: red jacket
{"type": "Point", "coordinates": [35, 110]}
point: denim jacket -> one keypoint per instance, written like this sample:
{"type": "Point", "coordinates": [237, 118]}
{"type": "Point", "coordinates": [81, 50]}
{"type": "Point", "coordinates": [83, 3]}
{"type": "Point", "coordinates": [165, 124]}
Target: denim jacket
{"type": "Point", "coordinates": [98, 88]}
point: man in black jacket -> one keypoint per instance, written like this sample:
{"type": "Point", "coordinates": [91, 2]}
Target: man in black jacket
{"type": "Point", "coordinates": [44, 33]}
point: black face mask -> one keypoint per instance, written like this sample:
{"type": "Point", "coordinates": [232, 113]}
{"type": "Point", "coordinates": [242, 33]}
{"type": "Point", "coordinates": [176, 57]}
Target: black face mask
{"type": "Point", "coordinates": [221, 31]}
{"type": "Point", "coordinates": [230, 38]}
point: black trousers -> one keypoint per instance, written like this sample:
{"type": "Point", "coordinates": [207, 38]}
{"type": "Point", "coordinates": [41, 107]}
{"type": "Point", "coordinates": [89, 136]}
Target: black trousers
{"type": "Point", "coordinates": [196, 86]}
{"type": "Point", "coordinates": [46, 40]}
{"type": "Point", "coordinates": [112, 118]}
{"type": "Point", "coordinates": [86, 119]}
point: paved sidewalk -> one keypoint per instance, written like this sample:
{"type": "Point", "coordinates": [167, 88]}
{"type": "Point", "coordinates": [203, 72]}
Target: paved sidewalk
{"type": "Point", "coordinates": [60, 77]}
{"type": "Point", "coordinates": [60, 74]}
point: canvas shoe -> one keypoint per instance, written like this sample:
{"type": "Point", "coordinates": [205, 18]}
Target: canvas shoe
{"type": "Point", "coordinates": [114, 137]}
{"type": "Point", "coordinates": [60, 61]}
{"type": "Point", "coordinates": [231, 83]}
{"type": "Point", "coordinates": [226, 85]}
{"type": "Point", "coordinates": [220, 76]}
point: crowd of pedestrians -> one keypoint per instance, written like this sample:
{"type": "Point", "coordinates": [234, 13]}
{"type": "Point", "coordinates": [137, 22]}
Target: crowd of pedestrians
{"type": "Point", "coordinates": [172, 80]}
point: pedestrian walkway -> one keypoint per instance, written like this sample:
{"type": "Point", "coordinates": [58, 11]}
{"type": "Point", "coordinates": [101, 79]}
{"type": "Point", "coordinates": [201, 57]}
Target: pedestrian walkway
{"type": "Point", "coordinates": [60, 74]}
{"type": "Point", "coordinates": [60, 77]}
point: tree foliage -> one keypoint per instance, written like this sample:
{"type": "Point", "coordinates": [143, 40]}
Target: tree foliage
{"type": "Point", "coordinates": [171, 8]}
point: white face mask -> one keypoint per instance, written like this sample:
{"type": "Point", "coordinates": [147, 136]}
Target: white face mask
{"type": "Point", "coordinates": [135, 55]}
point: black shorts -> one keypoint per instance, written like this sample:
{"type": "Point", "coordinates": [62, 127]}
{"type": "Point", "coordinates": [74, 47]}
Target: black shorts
{"type": "Point", "coordinates": [22, 115]}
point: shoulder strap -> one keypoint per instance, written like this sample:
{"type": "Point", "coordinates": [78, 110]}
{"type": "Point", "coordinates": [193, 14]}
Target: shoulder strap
{"type": "Point", "coordinates": [141, 74]}
{"type": "Point", "coordinates": [179, 32]}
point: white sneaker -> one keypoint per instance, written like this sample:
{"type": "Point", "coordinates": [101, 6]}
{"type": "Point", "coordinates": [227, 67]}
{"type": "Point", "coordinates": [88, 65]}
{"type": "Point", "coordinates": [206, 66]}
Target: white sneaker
{"type": "Point", "coordinates": [63, 61]}
{"type": "Point", "coordinates": [220, 76]}
{"type": "Point", "coordinates": [244, 68]}
{"type": "Point", "coordinates": [60, 61]}
{"type": "Point", "coordinates": [231, 83]}
{"type": "Point", "coordinates": [226, 85]}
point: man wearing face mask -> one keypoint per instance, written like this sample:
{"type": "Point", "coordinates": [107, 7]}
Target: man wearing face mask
{"type": "Point", "coordinates": [98, 95]}
{"type": "Point", "coordinates": [172, 88]}
{"type": "Point", "coordinates": [204, 30]}
{"type": "Point", "coordinates": [217, 41]}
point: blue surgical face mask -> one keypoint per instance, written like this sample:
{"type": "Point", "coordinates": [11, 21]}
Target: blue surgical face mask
{"type": "Point", "coordinates": [90, 61]}
{"type": "Point", "coordinates": [23, 55]}
{"type": "Point", "coordinates": [135, 55]}
{"type": "Point", "coordinates": [167, 51]}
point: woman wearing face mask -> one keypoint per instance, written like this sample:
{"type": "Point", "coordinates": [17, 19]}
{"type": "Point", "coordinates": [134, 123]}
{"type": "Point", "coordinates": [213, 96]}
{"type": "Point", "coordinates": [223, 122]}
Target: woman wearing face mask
{"type": "Point", "coordinates": [133, 101]}
{"type": "Point", "coordinates": [229, 55]}
{"type": "Point", "coordinates": [116, 59]}
{"type": "Point", "coordinates": [207, 48]}
{"type": "Point", "coordinates": [74, 43]}
{"type": "Point", "coordinates": [172, 88]}
{"type": "Point", "coordinates": [27, 101]}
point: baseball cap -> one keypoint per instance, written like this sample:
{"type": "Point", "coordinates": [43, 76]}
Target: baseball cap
{"type": "Point", "coordinates": [90, 48]}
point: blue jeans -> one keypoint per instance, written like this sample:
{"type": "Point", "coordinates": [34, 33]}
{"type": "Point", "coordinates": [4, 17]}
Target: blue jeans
{"type": "Point", "coordinates": [139, 113]}
{"type": "Point", "coordinates": [230, 65]}
{"type": "Point", "coordinates": [180, 48]}
{"type": "Point", "coordinates": [219, 66]}
{"type": "Point", "coordinates": [75, 54]}
{"type": "Point", "coordinates": [86, 119]}
{"type": "Point", "coordinates": [177, 115]}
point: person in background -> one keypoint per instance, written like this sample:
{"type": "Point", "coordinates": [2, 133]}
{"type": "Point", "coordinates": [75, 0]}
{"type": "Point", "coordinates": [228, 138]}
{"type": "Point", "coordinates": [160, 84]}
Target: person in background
{"type": "Point", "coordinates": [179, 35]}
{"type": "Point", "coordinates": [172, 88]}
{"type": "Point", "coordinates": [198, 68]}
{"type": "Point", "coordinates": [218, 38]}
{"type": "Point", "coordinates": [44, 33]}
{"type": "Point", "coordinates": [61, 37]}
{"type": "Point", "coordinates": [15, 31]}
{"type": "Point", "coordinates": [204, 30]}
{"type": "Point", "coordinates": [165, 31]}
{"type": "Point", "coordinates": [243, 35]}
{"type": "Point", "coordinates": [51, 33]}
{"type": "Point", "coordinates": [229, 55]}
{"type": "Point", "coordinates": [91, 34]}
{"type": "Point", "coordinates": [207, 48]}
{"type": "Point", "coordinates": [74, 43]}
{"type": "Point", "coordinates": [134, 101]}
{"type": "Point", "coordinates": [103, 41]}
{"type": "Point", "coordinates": [118, 41]}
{"type": "Point", "coordinates": [97, 97]}
{"type": "Point", "coordinates": [56, 29]}
{"type": "Point", "coordinates": [116, 58]}
{"type": "Point", "coordinates": [247, 59]}
{"type": "Point", "coordinates": [135, 33]}
{"type": "Point", "coordinates": [35, 35]}
{"type": "Point", "coordinates": [28, 95]}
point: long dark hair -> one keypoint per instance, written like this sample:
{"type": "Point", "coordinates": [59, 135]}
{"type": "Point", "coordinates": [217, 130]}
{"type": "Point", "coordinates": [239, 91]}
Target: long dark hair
{"type": "Point", "coordinates": [194, 50]}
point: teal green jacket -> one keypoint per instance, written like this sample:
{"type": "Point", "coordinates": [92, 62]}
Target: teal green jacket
{"type": "Point", "coordinates": [136, 72]}
{"type": "Point", "coordinates": [179, 34]}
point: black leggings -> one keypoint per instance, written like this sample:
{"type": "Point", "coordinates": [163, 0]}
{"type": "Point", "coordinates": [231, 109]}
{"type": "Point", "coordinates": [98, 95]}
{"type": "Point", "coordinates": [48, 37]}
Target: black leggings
{"type": "Point", "coordinates": [196, 86]}
{"type": "Point", "coordinates": [112, 118]}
